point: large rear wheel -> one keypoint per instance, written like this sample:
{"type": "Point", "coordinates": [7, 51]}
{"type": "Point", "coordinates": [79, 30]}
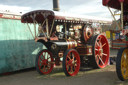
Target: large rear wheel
{"type": "Point", "coordinates": [44, 62]}
{"type": "Point", "coordinates": [122, 64]}
{"type": "Point", "coordinates": [71, 62]}
{"type": "Point", "coordinates": [100, 50]}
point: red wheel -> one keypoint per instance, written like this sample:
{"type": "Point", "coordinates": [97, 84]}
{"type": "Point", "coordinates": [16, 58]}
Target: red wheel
{"type": "Point", "coordinates": [44, 61]}
{"type": "Point", "coordinates": [71, 62]}
{"type": "Point", "coordinates": [100, 51]}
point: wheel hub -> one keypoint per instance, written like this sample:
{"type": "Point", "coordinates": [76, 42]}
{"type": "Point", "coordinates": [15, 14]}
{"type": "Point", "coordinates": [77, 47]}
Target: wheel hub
{"type": "Point", "coordinates": [45, 62]}
{"type": "Point", "coordinates": [100, 50]}
{"type": "Point", "coordinates": [71, 62]}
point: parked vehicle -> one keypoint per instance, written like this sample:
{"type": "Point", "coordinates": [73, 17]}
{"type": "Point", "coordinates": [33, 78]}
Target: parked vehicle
{"type": "Point", "coordinates": [69, 40]}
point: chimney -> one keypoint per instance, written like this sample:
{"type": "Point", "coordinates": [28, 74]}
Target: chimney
{"type": "Point", "coordinates": [56, 5]}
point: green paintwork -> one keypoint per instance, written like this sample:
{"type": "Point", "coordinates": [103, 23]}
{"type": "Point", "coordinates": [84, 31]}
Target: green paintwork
{"type": "Point", "coordinates": [17, 47]}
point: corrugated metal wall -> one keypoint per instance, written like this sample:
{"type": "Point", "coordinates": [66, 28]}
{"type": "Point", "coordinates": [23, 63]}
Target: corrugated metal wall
{"type": "Point", "coordinates": [17, 47]}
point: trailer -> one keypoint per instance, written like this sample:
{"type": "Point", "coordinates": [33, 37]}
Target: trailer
{"type": "Point", "coordinates": [122, 56]}
{"type": "Point", "coordinates": [17, 47]}
{"type": "Point", "coordinates": [69, 40]}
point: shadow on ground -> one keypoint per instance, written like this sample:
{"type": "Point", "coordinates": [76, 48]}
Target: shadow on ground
{"type": "Point", "coordinates": [86, 76]}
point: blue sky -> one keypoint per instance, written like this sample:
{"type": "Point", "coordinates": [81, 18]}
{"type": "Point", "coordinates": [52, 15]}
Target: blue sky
{"type": "Point", "coordinates": [81, 7]}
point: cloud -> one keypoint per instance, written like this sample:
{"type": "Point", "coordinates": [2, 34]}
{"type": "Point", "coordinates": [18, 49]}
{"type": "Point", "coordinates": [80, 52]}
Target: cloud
{"type": "Point", "coordinates": [14, 8]}
{"type": "Point", "coordinates": [84, 7]}
{"type": "Point", "coordinates": [91, 7]}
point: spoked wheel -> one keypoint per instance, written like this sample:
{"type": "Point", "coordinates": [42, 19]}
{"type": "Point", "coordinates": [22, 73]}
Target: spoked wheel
{"type": "Point", "coordinates": [44, 62]}
{"type": "Point", "coordinates": [71, 62]}
{"type": "Point", "coordinates": [100, 52]}
{"type": "Point", "coordinates": [122, 64]}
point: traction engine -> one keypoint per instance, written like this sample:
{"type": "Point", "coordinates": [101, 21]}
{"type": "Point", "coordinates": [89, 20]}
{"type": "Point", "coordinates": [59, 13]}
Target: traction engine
{"type": "Point", "coordinates": [70, 41]}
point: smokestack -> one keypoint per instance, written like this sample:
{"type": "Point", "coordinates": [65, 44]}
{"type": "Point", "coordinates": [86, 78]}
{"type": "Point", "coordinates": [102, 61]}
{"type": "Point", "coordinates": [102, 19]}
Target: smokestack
{"type": "Point", "coordinates": [56, 5]}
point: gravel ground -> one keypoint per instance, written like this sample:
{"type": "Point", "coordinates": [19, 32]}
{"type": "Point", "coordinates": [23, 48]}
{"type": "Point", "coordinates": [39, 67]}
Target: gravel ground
{"type": "Point", "coordinates": [86, 76]}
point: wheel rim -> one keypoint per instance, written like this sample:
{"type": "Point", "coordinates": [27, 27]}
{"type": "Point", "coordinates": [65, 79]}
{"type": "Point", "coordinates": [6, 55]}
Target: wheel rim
{"type": "Point", "coordinates": [124, 64]}
{"type": "Point", "coordinates": [72, 63]}
{"type": "Point", "coordinates": [101, 51]}
{"type": "Point", "coordinates": [45, 62]}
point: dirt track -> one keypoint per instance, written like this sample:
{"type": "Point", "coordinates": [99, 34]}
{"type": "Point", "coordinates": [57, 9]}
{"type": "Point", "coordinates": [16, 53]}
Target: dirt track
{"type": "Point", "coordinates": [106, 76]}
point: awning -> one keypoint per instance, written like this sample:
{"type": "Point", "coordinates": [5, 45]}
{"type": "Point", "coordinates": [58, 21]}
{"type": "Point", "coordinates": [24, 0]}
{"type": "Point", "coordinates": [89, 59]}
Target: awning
{"type": "Point", "coordinates": [116, 4]}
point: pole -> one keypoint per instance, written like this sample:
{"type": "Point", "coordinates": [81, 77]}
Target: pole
{"type": "Point", "coordinates": [122, 22]}
{"type": "Point", "coordinates": [114, 18]}
{"type": "Point", "coordinates": [47, 28]}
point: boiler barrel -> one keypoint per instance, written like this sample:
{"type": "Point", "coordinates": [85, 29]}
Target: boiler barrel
{"type": "Point", "coordinates": [63, 45]}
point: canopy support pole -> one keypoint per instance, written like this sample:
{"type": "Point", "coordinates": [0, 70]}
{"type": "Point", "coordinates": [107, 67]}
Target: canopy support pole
{"type": "Point", "coordinates": [47, 28]}
{"type": "Point", "coordinates": [35, 28]}
{"type": "Point", "coordinates": [114, 18]}
{"type": "Point", "coordinates": [42, 29]}
{"type": "Point", "coordinates": [122, 22]}
{"type": "Point", "coordinates": [52, 27]}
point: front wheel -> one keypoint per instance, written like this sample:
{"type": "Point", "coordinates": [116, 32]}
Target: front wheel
{"type": "Point", "coordinates": [71, 62]}
{"type": "Point", "coordinates": [122, 64]}
{"type": "Point", "coordinates": [44, 62]}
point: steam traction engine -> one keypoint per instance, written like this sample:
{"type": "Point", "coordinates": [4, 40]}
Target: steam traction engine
{"type": "Point", "coordinates": [122, 56]}
{"type": "Point", "coordinates": [69, 40]}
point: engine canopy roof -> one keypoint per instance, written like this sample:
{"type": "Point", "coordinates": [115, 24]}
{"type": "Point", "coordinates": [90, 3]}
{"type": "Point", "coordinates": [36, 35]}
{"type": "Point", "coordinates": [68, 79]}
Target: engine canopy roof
{"type": "Point", "coordinates": [40, 15]}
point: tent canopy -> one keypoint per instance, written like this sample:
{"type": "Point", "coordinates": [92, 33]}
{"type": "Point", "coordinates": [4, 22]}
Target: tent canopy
{"type": "Point", "coordinates": [116, 4]}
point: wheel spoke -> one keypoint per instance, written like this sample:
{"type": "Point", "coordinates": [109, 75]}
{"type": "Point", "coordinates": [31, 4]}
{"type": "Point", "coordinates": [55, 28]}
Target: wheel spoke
{"type": "Point", "coordinates": [124, 61]}
{"type": "Point", "coordinates": [73, 57]}
{"type": "Point", "coordinates": [97, 59]}
{"type": "Point", "coordinates": [40, 62]}
{"type": "Point", "coordinates": [67, 62]}
{"type": "Point", "coordinates": [47, 56]}
{"type": "Point", "coordinates": [96, 49]}
{"type": "Point", "coordinates": [67, 66]}
{"type": "Point", "coordinates": [71, 68]}
{"type": "Point", "coordinates": [104, 54]}
{"type": "Point", "coordinates": [51, 62]}
{"type": "Point", "coordinates": [44, 55]}
{"type": "Point", "coordinates": [75, 61]}
{"type": "Point", "coordinates": [44, 68]}
{"type": "Point", "coordinates": [99, 39]}
{"type": "Point", "coordinates": [41, 59]}
{"type": "Point", "coordinates": [97, 43]}
{"type": "Point", "coordinates": [48, 66]}
{"type": "Point", "coordinates": [101, 60]}
{"type": "Point", "coordinates": [103, 45]}
{"type": "Point", "coordinates": [127, 71]}
{"type": "Point", "coordinates": [69, 57]}
{"type": "Point", "coordinates": [74, 67]}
